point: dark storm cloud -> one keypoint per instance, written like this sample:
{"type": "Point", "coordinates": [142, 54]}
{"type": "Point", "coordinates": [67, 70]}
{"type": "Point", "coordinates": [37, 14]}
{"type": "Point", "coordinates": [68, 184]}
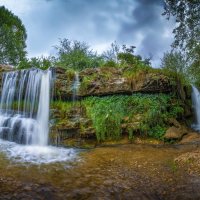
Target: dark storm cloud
{"type": "Point", "coordinates": [97, 22]}
{"type": "Point", "coordinates": [148, 28]}
{"type": "Point", "coordinates": [88, 20]}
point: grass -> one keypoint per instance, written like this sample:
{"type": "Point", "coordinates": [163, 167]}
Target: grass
{"type": "Point", "coordinates": [146, 114]}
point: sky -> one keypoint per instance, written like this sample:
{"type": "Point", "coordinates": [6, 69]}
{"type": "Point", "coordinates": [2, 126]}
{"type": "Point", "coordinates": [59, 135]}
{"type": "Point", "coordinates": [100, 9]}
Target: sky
{"type": "Point", "coordinates": [96, 22]}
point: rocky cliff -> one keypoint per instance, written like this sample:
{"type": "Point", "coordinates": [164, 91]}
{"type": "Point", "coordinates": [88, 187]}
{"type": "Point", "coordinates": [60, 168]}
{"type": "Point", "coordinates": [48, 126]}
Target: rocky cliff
{"type": "Point", "coordinates": [109, 81]}
{"type": "Point", "coordinates": [78, 124]}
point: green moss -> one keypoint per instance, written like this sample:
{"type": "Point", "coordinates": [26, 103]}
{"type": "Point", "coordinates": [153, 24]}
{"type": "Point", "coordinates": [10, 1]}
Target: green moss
{"type": "Point", "coordinates": [70, 74]}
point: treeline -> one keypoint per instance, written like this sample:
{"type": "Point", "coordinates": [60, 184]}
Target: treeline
{"type": "Point", "coordinates": [76, 55]}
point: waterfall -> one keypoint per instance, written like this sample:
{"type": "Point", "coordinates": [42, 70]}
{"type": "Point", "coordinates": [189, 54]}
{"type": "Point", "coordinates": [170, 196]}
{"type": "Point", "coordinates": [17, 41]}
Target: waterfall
{"type": "Point", "coordinates": [24, 106]}
{"type": "Point", "coordinates": [196, 107]}
{"type": "Point", "coordinates": [75, 86]}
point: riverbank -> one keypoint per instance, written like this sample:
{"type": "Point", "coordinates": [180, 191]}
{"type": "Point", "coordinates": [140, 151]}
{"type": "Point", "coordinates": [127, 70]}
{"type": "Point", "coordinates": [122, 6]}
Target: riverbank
{"type": "Point", "coordinates": [119, 172]}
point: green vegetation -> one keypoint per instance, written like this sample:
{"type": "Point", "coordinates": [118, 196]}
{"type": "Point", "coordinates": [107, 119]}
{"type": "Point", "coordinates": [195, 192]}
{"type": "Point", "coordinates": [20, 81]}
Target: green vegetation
{"type": "Point", "coordinates": [175, 64]}
{"type": "Point", "coordinates": [76, 55]}
{"type": "Point", "coordinates": [144, 113]}
{"type": "Point", "coordinates": [12, 38]}
{"type": "Point", "coordinates": [40, 62]}
{"type": "Point", "coordinates": [111, 116]}
{"type": "Point", "coordinates": [186, 33]}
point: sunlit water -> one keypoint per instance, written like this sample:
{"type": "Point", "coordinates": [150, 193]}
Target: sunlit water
{"type": "Point", "coordinates": [36, 154]}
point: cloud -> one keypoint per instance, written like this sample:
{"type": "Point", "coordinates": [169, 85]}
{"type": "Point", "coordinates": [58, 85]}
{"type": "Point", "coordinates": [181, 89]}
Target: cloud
{"type": "Point", "coordinates": [149, 30]}
{"type": "Point", "coordinates": [137, 22]}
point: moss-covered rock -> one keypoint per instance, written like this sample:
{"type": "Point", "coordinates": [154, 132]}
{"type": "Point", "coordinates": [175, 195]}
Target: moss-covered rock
{"type": "Point", "coordinates": [109, 80]}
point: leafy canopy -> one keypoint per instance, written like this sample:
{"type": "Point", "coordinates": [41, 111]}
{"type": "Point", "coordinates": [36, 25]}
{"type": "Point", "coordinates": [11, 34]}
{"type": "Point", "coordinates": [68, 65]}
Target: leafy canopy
{"type": "Point", "coordinates": [124, 57]}
{"type": "Point", "coordinates": [187, 32]}
{"type": "Point", "coordinates": [77, 55]}
{"type": "Point", "coordinates": [37, 62]}
{"type": "Point", "coordinates": [174, 61]}
{"type": "Point", "coordinates": [12, 38]}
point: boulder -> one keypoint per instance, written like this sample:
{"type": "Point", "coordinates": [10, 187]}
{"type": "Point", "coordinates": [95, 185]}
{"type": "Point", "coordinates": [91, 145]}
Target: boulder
{"type": "Point", "coordinates": [175, 133]}
{"type": "Point", "coordinates": [190, 138]}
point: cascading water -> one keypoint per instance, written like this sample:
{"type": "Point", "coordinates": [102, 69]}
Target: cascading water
{"type": "Point", "coordinates": [27, 90]}
{"type": "Point", "coordinates": [75, 86]}
{"type": "Point", "coordinates": [24, 117]}
{"type": "Point", "coordinates": [196, 107]}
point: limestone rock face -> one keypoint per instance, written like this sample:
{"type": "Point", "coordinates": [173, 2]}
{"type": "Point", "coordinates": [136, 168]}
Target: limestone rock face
{"type": "Point", "coordinates": [108, 81]}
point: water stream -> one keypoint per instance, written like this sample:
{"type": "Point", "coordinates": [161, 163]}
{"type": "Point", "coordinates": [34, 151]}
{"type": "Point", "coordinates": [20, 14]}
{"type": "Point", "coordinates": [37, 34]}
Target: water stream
{"type": "Point", "coordinates": [75, 86]}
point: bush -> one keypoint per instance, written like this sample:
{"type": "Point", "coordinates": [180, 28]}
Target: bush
{"type": "Point", "coordinates": [108, 113]}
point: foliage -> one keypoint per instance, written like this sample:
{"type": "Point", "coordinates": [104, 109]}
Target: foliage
{"type": "Point", "coordinates": [174, 64]}
{"type": "Point", "coordinates": [40, 62]}
{"type": "Point", "coordinates": [128, 59]}
{"type": "Point", "coordinates": [108, 113]}
{"type": "Point", "coordinates": [145, 114]}
{"type": "Point", "coordinates": [124, 57]}
{"type": "Point", "coordinates": [111, 53]}
{"type": "Point", "coordinates": [110, 63]}
{"type": "Point", "coordinates": [194, 69]}
{"type": "Point", "coordinates": [12, 38]}
{"type": "Point", "coordinates": [106, 117]}
{"type": "Point", "coordinates": [63, 107]}
{"type": "Point", "coordinates": [187, 15]}
{"type": "Point", "coordinates": [187, 32]}
{"type": "Point", "coordinates": [77, 55]}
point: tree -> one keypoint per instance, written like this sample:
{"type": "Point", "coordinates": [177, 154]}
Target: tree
{"type": "Point", "coordinates": [174, 62]}
{"type": "Point", "coordinates": [12, 38]}
{"type": "Point", "coordinates": [128, 58]}
{"type": "Point", "coordinates": [187, 15]}
{"type": "Point", "coordinates": [37, 62]}
{"type": "Point", "coordinates": [124, 56]}
{"type": "Point", "coordinates": [187, 32]}
{"type": "Point", "coordinates": [77, 55]}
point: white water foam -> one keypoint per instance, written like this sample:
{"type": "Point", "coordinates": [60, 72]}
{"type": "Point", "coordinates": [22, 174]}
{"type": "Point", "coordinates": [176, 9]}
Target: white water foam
{"type": "Point", "coordinates": [36, 154]}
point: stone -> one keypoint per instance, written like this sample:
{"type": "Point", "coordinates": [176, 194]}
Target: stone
{"type": "Point", "coordinates": [6, 68]}
{"type": "Point", "coordinates": [190, 138]}
{"type": "Point", "coordinates": [174, 133]}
